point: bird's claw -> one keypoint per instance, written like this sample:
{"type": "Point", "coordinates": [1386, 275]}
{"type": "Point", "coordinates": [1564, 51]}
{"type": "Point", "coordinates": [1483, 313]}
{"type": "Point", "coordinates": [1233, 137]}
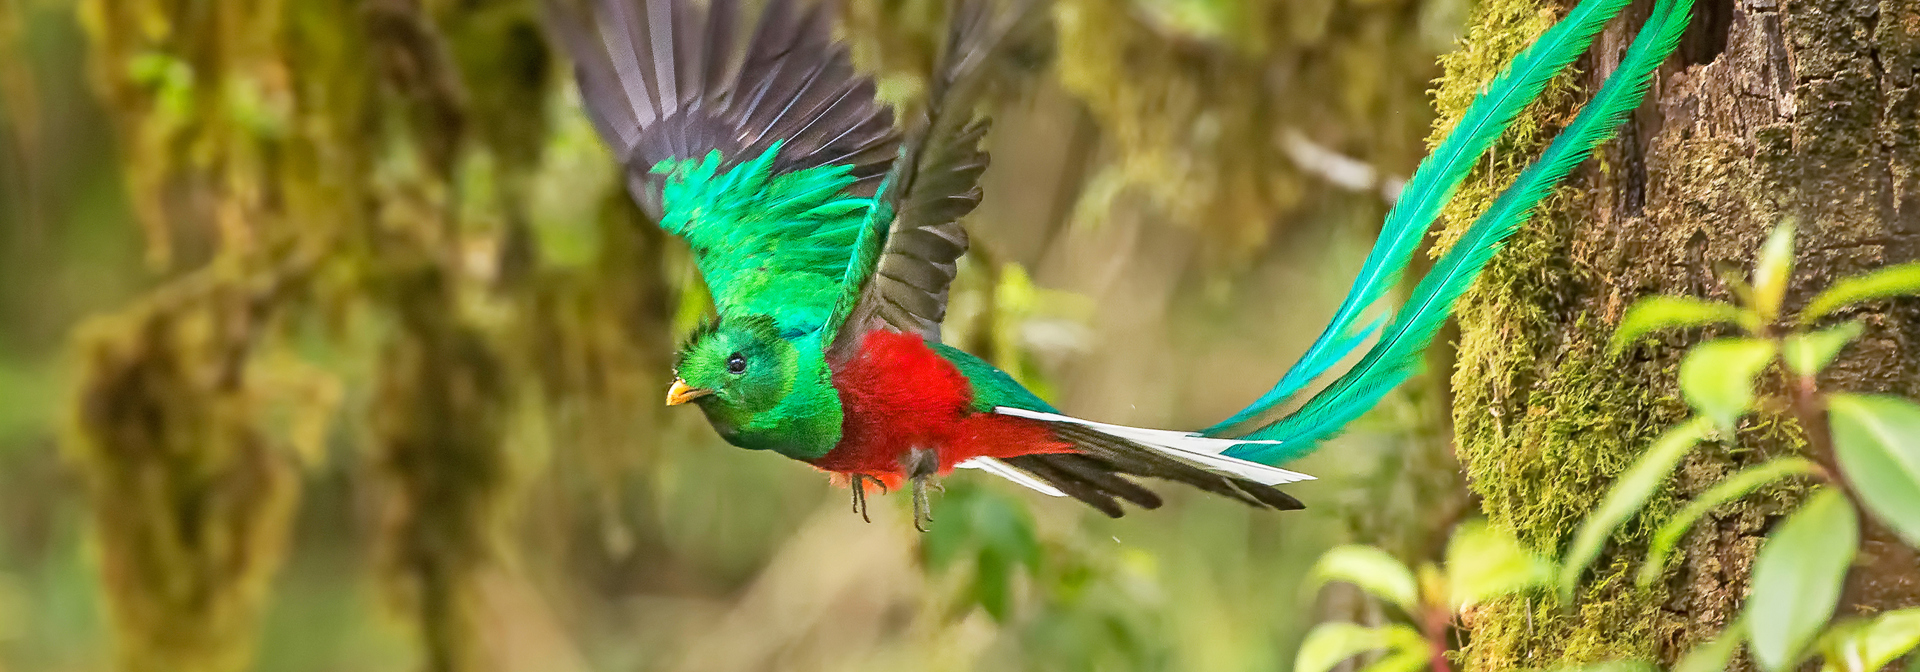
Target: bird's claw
{"type": "Point", "coordinates": [921, 466]}
{"type": "Point", "coordinates": [922, 508]}
{"type": "Point", "coordinates": [860, 494]}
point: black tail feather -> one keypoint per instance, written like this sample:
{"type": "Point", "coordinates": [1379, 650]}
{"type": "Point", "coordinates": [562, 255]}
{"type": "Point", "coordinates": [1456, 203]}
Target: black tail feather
{"type": "Point", "coordinates": [1048, 468]}
{"type": "Point", "coordinates": [1097, 475]}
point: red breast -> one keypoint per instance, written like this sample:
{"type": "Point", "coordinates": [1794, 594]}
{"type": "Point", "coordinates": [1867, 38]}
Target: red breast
{"type": "Point", "coordinates": [897, 394]}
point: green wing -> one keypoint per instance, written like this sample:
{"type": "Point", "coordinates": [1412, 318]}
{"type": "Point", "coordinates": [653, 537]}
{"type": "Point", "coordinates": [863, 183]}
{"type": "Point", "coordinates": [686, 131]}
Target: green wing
{"type": "Point", "coordinates": [910, 245]}
{"type": "Point", "coordinates": [762, 154]}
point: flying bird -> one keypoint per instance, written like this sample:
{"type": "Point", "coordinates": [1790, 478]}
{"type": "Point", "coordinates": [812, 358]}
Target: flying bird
{"type": "Point", "coordinates": [829, 235]}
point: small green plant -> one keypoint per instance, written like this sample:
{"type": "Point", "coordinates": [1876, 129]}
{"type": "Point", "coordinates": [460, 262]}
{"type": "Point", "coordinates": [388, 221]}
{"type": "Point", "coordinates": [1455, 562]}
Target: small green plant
{"type": "Point", "coordinates": [1482, 563]}
{"type": "Point", "coordinates": [1863, 449]}
{"type": "Point", "coordinates": [1090, 608]}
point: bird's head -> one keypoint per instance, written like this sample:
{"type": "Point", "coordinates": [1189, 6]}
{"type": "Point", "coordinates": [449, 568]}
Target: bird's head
{"type": "Point", "coordinates": [740, 363]}
{"type": "Point", "coordinates": [760, 387]}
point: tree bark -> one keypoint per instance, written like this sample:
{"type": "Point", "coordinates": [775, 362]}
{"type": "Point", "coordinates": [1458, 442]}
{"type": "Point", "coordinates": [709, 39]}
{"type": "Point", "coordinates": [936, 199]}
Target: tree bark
{"type": "Point", "coordinates": [1774, 111]}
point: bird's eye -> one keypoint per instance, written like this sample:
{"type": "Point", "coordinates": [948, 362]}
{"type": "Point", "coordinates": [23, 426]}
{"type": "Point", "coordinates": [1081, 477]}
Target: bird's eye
{"type": "Point", "coordinates": [737, 364]}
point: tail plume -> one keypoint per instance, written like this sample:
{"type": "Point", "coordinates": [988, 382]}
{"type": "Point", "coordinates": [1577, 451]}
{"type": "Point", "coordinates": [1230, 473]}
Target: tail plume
{"type": "Point", "coordinates": [1396, 354]}
{"type": "Point", "coordinates": [1239, 465]}
{"type": "Point", "coordinates": [1432, 185]}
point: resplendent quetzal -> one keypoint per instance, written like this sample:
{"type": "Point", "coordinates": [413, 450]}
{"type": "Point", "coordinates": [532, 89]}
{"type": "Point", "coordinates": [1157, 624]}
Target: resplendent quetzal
{"type": "Point", "coordinates": [829, 239]}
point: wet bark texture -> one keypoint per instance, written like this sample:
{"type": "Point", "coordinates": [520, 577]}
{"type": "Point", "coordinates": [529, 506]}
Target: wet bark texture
{"type": "Point", "coordinates": [1774, 111]}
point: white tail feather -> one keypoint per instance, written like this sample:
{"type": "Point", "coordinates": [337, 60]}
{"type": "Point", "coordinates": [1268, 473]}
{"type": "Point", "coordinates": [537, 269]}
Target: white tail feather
{"type": "Point", "coordinates": [1003, 470]}
{"type": "Point", "coordinates": [1187, 447]}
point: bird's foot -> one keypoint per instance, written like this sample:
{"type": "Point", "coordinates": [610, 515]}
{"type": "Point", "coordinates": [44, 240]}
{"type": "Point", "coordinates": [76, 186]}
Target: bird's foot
{"type": "Point", "coordinates": [860, 493]}
{"type": "Point", "coordinates": [922, 509]}
{"type": "Point", "coordinates": [921, 466]}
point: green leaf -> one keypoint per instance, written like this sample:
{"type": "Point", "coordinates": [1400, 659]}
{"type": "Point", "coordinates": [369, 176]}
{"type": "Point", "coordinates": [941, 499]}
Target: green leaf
{"type": "Point", "coordinates": [1869, 646]}
{"type": "Point", "coordinates": [1712, 656]}
{"type": "Point", "coordinates": [993, 585]}
{"type": "Point", "coordinates": [1654, 313]}
{"type": "Point", "coordinates": [1771, 273]}
{"type": "Point", "coordinates": [996, 534]}
{"type": "Point", "coordinates": [1889, 636]}
{"type": "Point", "coordinates": [1410, 659]}
{"type": "Point", "coordinates": [1900, 280]}
{"type": "Point", "coordinates": [1797, 576]}
{"type": "Point", "coordinates": [1483, 563]}
{"type": "Point", "coordinates": [1717, 377]}
{"type": "Point", "coordinates": [1877, 439]}
{"type": "Point", "coordinates": [1004, 527]}
{"type": "Point", "coordinates": [1330, 643]}
{"type": "Point", "coordinates": [1807, 353]}
{"type": "Point", "coordinates": [1626, 497]}
{"type": "Point", "coordinates": [1372, 569]}
{"type": "Point", "coordinates": [1728, 489]}
{"type": "Point", "coordinates": [942, 544]}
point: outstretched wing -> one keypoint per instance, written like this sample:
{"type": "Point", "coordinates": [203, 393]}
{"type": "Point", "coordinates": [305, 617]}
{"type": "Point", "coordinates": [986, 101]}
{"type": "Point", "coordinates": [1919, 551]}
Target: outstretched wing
{"type": "Point", "coordinates": [668, 79]}
{"type": "Point", "coordinates": [906, 257]}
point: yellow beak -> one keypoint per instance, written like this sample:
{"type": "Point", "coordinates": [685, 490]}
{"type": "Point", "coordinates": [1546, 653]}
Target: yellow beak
{"type": "Point", "coordinates": [682, 393]}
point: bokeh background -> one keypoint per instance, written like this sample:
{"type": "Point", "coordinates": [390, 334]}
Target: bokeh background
{"type": "Point", "coordinates": [328, 341]}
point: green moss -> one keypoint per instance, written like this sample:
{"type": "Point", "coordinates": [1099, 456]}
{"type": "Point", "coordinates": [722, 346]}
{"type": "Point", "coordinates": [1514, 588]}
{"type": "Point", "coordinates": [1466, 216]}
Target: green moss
{"type": "Point", "coordinates": [439, 417]}
{"type": "Point", "coordinates": [191, 498]}
{"type": "Point", "coordinates": [1546, 419]}
{"type": "Point", "coordinates": [1543, 416]}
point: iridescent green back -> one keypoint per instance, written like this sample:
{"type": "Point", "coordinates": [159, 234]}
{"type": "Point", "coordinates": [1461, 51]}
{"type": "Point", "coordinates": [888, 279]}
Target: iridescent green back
{"type": "Point", "coordinates": [766, 244]}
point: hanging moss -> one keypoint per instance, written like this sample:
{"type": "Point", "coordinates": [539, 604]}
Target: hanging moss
{"type": "Point", "coordinates": [259, 148]}
{"type": "Point", "coordinates": [444, 395]}
{"type": "Point", "coordinates": [438, 418]}
{"type": "Point", "coordinates": [191, 498]}
{"type": "Point", "coordinates": [191, 489]}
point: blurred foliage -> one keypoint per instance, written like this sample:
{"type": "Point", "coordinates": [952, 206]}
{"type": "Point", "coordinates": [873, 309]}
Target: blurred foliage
{"type": "Point", "coordinates": [330, 340]}
{"type": "Point", "coordinates": [1196, 94]}
{"type": "Point", "coordinates": [1082, 608]}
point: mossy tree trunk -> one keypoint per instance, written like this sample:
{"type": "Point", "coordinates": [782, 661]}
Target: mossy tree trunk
{"type": "Point", "coordinates": [1774, 111]}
